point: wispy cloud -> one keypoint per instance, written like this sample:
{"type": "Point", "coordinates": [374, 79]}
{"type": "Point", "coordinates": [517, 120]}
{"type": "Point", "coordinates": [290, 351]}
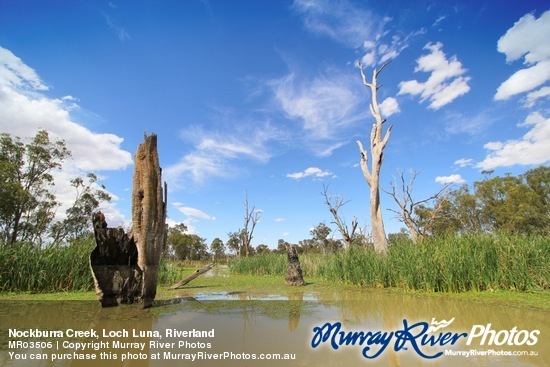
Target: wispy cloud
{"type": "Point", "coordinates": [452, 179]}
{"type": "Point", "coordinates": [353, 26]}
{"type": "Point", "coordinates": [530, 99]}
{"type": "Point", "coordinates": [445, 83]}
{"type": "Point", "coordinates": [214, 153]}
{"type": "Point", "coordinates": [309, 172]}
{"type": "Point", "coordinates": [531, 149]}
{"type": "Point", "coordinates": [325, 107]}
{"type": "Point", "coordinates": [528, 39]}
{"type": "Point", "coordinates": [119, 31]}
{"type": "Point", "coordinates": [462, 123]}
{"type": "Point", "coordinates": [340, 20]}
{"type": "Point", "coordinates": [464, 162]}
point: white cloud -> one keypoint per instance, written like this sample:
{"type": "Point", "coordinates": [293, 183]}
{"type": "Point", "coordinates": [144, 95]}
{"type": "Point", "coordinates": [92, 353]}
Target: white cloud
{"type": "Point", "coordinates": [445, 83]}
{"type": "Point", "coordinates": [193, 212]}
{"type": "Point", "coordinates": [452, 179]}
{"type": "Point", "coordinates": [25, 109]}
{"type": "Point", "coordinates": [528, 38]}
{"type": "Point", "coordinates": [532, 149]}
{"type": "Point", "coordinates": [389, 106]}
{"type": "Point", "coordinates": [464, 162]}
{"type": "Point", "coordinates": [309, 172]}
{"type": "Point", "coordinates": [279, 220]}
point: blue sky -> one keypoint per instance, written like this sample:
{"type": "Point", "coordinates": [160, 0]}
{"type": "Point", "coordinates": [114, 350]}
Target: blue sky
{"type": "Point", "coordinates": [265, 98]}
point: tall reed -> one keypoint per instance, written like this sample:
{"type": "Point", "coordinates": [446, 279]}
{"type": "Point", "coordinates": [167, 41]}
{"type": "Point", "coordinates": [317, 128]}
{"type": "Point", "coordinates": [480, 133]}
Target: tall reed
{"type": "Point", "coordinates": [61, 268]}
{"type": "Point", "coordinates": [451, 264]}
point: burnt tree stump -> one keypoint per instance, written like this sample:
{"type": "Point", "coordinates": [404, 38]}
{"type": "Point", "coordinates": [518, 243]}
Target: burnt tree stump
{"type": "Point", "coordinates": [125, 266]}
{"type": "Point", "coordinates": [294, 274]}
{"type": "Point", "coordinates": [117, 277]}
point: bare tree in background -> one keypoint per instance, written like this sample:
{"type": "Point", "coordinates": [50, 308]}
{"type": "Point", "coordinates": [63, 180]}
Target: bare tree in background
{"type": "Point", "coordinates": [418, 226]}
{"type": "Point", "coordinates": [251, 218]}
{"type": "Point", "coordinates": [334, 204]}
{"type": "Point", "coordinates": [378, 141]}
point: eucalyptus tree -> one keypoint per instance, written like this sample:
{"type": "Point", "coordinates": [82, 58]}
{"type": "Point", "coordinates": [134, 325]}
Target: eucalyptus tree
{"type": "Point", "coordinates": [378, 141]}
{"type": "Point", "coordinates": [27, 203]}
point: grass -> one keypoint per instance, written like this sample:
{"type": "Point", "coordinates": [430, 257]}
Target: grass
{"type": "Point", "coordinates": [453, 264]}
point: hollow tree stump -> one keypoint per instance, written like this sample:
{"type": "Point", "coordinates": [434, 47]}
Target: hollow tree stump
{"type": "Point", "coordinates": [125, 266]}
{"type": "Point", "coordinates": [294, 274]}
{"type": "Point", "coordinates": [117, 277]}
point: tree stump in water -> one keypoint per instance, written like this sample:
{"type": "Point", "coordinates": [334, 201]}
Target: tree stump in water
{"type": "Point", "coordinates": [125, 266]}
{"type": "Point", "coordinates": [117, 277]}
{"type": "Point", "coordinates": [294, 273]}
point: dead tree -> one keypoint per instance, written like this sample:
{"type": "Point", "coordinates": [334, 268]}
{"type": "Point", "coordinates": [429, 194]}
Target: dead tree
{"type": "Point", "coordinates": [125, 266]}
{"type": "Point", "coordinates": [148, 215]}
{"type": "Point", "coordinates": [334, 205]}
{"type": "Point", "coordinates": [251, 218]}
{"type": "Point", "coordinates": [294, 274]}
{"type": "Point", "coordinates": [378, 141]}
{"type": "Point", "coordinates": [402, 195]}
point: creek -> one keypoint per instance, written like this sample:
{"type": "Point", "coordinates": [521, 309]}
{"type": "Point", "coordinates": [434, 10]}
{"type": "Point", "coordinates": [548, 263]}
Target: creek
{"type": "Point", "coordinates": [245, 328]}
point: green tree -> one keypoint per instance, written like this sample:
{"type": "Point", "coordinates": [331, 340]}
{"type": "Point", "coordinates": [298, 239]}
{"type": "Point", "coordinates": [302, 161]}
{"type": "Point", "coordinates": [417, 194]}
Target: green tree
{"type": "Point", "coordinates": [234, 243]}
{"type": "Point", "coordinates": [262, 249]}
{"type": "Point", "coordinates": [78, 223]}
{"type": "Point", "coordinates": [27, 205]}
{"type": "Point", "coordinates": [185, 246]}
{"type": "Point", "coordinates": [320, 235]}
{"type": "Point", "coordinates": [217, 248]}
{"type": "Point", "coordinates": [514, 204]}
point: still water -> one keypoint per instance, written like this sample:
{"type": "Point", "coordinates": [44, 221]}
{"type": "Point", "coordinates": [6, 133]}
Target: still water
{"type": "Point", "coordinates": [249, 323]}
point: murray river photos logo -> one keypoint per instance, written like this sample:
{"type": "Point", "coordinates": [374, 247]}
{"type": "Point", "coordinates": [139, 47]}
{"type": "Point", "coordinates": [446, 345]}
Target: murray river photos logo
{"type": "Point", "coordinates": [421, 337]}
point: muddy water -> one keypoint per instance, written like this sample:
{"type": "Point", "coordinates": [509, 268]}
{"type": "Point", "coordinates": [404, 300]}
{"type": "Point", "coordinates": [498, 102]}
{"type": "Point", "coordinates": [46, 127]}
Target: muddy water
{"type": "Point", "coordinates": [247, 323]}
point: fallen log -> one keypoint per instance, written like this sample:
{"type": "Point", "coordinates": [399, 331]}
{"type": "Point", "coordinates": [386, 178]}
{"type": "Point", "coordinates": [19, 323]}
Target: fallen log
{"type": "Point", "coordinates": [192, 276]}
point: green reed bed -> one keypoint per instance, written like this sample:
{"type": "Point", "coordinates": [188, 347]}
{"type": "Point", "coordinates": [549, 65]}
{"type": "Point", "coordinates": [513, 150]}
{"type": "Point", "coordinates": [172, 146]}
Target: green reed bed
{"type": "Point", "coordinates": [452, 264]}
{"type": "Point", "coordinates": [58, 268]}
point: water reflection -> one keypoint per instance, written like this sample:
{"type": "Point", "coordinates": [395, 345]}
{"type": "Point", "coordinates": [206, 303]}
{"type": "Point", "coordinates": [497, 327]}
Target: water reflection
{"type": "Point", "coordinates": [245, 322]}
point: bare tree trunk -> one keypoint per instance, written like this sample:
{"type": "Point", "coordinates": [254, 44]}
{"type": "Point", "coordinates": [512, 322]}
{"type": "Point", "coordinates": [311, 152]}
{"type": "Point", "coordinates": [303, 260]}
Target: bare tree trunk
{"type": "Point", "coordinates": [148, 215]}
{"type": "Point", "coordinates": [251, 218]}
{"type": "Point", "coordinates": [378, 142]}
